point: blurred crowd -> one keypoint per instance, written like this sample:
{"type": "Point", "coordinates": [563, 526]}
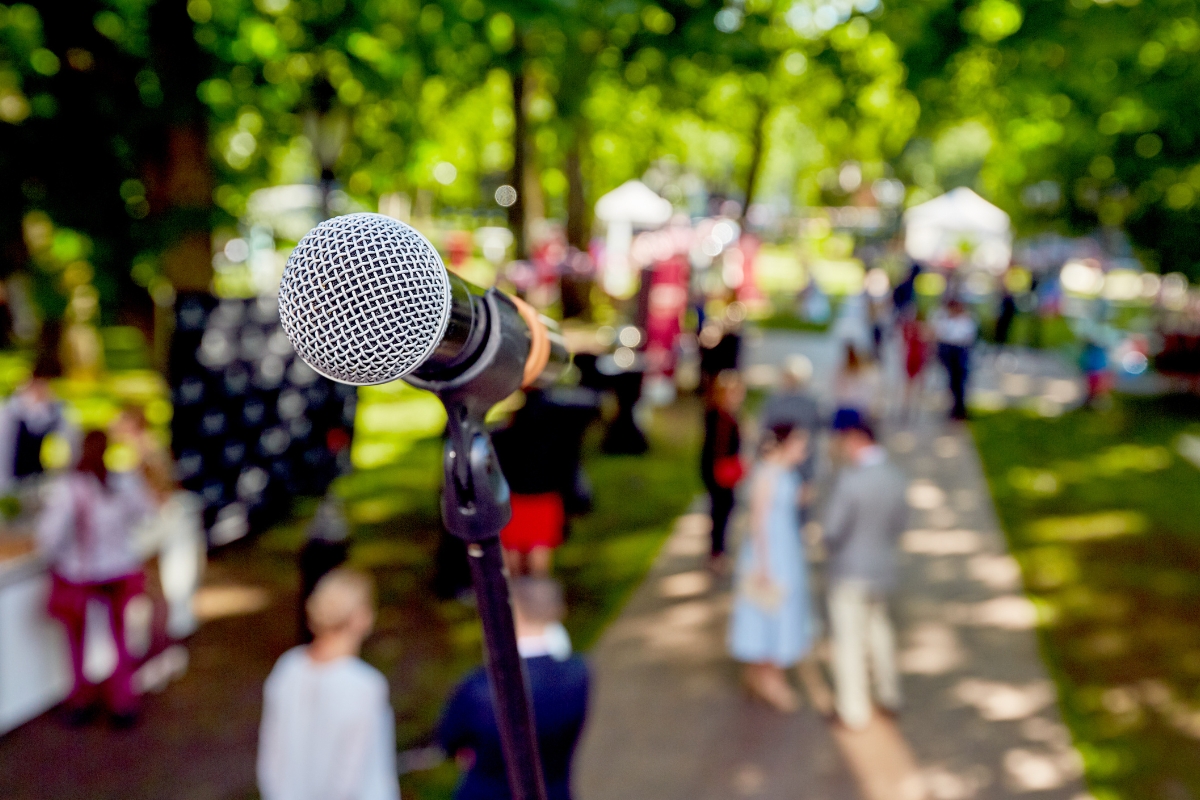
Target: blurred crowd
{"type": "Point", "coordinates": [817, 491]}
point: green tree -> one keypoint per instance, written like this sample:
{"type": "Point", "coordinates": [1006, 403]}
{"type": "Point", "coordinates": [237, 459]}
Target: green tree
{"type": "Point", "coordinates": [1070, 115]}
{"type": "Point", "coordinates": [102, 141]}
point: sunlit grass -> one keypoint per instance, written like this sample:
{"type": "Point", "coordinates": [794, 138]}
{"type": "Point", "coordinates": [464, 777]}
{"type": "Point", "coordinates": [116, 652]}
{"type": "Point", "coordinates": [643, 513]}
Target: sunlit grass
{"type": "Point", "coordinates": [1102, 510]}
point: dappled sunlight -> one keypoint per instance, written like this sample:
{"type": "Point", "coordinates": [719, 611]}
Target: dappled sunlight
{"type": "Point", "coordinates": [1062, 391]}
{"type": "Point", "coordinates": [925, 495]}
{"type": "Point", "coordinates": [942, 783]}
{"type": "Point", "coordinates": [1007, 612]}
{"type": "Point", "coordinates": [930, 648]}
{"type": "Point", "coordinates": [999, 572]}
{"type": "Point", "coordinates": [1030, 771]}
{"type": "Point", "coordinates": [1016, 384]}
{"type": "Point", "coordinates": [229, 600]}
{"type": "Point", "coordinates": [941, 543]}
{"type": "Point", "coordinates": [946, 447]}
{"type": "Point", "coordinates": [685, 584]}
{"type": "Point", "coordinates": [996, 701]}
{"type": "Point", "coordinates": [690, 537]}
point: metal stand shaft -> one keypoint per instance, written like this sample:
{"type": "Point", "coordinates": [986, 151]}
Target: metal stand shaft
{"type": "Point", "coordinates": [475, 506]}
{"type": "Point", "coordinates": [506, 672]}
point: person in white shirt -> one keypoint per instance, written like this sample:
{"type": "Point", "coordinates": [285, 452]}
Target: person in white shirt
{"type": "Point", "coordinates": [328, 730]}
{"type": "Point", "coordinates": [956, 332]}
{"type": "Point", "coordinates": [86, 531]}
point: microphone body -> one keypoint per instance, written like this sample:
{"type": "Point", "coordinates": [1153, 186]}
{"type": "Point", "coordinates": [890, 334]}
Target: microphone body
{"type": "Point", "coordinates": [365, 299]}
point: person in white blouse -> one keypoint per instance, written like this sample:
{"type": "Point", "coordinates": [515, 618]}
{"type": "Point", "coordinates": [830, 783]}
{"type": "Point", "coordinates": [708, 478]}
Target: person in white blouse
{"type": "Point", "coordinates": [86, 531]}
{"type": "Point", "coordinates": [328, 730]}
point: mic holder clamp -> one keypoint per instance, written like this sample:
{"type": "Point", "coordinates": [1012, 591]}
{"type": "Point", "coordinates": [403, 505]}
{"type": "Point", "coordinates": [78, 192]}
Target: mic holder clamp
{"type": "Point", "coordinates": [475, 507]}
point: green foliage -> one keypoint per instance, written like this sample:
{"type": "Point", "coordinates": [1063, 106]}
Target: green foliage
{"type": "Point", "coordinates": [1069, 115]}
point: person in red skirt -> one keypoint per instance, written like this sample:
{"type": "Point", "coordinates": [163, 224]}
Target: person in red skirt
{"type": "Point", "coordinates": [539, 453]}
{"type": "Point", "coordinates": [535, 530]}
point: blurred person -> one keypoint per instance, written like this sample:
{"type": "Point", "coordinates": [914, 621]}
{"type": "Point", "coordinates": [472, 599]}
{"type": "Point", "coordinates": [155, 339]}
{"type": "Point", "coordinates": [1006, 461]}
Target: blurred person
{"type": "Point", "coordinates": [857, 385]}
{"type": "Point", "coordinates": [904, 296]}
{"type": "Point", "coordinates": [864, 519]}
{"type": "Point", "coordinates": [771, 625]}
{"type": "Point", "coordinates": [558, 686]}
{"type": "Point", "coordinates": [540, 454]}
{"type": "Point", "coordinates": [878, 316]}
{"type": "Point", "coordinates": [327, 729]}
{"type": "Point", "coordinates": [916, 354]}
{"type": "Point", "coordinates": [325, 548]}
{"type": "Point", "coordinates": [720, 463]}
{"type": "Point", "coordinates": [720, 350]}
{"type": "Point", "coordinates": [133, 430]}
{"type": "Point", "coordinates": [26, 419]}
{"type": "Point", "coordinates": [794, 404]}
{"type": "Point", "coordinates": [1093, 362]}
{"type": "Point", "coordinates": [956, 332]}
{"type": "Point", "coordinates": [174, 529]}
{"type": "Point", "coordinates": [1004, 318]}
{"type": "Point", "coordinates": [86, 531]}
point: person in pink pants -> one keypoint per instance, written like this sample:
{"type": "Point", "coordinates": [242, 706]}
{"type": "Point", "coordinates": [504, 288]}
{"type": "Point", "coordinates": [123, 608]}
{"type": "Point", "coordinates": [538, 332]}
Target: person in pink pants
{"type": "Point", "coordinates": [86, 530]}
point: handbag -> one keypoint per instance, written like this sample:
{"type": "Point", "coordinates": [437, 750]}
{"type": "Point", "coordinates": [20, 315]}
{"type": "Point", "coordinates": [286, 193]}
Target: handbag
{"type": "Point", "coordinates": [728, 471]}
{"type": "Point", "coordinates": [767, 595]}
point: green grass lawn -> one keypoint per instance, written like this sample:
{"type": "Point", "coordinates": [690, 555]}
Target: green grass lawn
{"type": "Point", "coordinates": [1103, 513]}
{"type": "Point", "coordinates": [425, 645]}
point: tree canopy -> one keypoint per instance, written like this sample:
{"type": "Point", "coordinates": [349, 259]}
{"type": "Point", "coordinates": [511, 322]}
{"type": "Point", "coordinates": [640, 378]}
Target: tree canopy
{"type": "Point", "coordinates": [130, 128]}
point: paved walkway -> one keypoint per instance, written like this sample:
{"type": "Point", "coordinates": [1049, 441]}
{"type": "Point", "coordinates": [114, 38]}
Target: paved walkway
{"type": "Point", "coordinates": [980, 719]}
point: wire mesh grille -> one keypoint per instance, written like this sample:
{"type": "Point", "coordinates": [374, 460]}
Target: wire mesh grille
{"type": "Point", "coordinates": [364, 298]}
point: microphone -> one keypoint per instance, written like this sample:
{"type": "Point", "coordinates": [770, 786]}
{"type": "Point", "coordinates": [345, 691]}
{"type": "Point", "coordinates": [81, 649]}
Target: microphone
{"type": "Point", "coordinates": [366, 299]}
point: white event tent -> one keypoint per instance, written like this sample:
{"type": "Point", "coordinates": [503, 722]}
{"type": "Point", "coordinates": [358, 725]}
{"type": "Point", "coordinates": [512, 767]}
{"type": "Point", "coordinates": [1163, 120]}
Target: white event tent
{"type": "Point", "coordinates": [632, 204]}
{"type": "Point", "coordinates": [959, 228]}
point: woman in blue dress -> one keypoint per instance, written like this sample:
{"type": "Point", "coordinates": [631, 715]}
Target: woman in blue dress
{"type": "Point", "coordinates": [771, 627]}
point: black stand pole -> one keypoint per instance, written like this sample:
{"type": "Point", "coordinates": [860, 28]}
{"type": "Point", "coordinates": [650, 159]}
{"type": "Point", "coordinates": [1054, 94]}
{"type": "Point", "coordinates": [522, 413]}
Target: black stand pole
{"type": "Point", "coordinates": [475, 506]}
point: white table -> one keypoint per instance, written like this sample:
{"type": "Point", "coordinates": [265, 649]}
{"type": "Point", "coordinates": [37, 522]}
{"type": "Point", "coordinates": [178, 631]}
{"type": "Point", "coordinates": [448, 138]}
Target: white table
{"type": "Point", "coordinates": [35, 671]}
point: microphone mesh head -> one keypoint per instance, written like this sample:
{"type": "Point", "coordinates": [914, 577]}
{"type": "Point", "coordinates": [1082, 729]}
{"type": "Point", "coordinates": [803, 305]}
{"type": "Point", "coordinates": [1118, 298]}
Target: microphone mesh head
{"type": "Point", "coordinates": [364, 299]}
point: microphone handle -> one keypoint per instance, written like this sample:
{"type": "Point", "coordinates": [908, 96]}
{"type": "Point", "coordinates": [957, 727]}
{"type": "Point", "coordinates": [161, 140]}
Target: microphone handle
{"type": "Point", "coordinates": [493, 339]}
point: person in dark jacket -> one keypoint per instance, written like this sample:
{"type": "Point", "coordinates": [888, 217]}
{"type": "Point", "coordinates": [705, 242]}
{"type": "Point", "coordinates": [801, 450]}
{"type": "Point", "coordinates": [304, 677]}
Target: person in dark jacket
{"type": "Point", "coordinates": [558, 684]}
{"type": "Point", "coordinates": [722, 441]}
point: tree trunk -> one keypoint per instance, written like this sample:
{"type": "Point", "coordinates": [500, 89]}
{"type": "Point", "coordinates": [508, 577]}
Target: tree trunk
{"type": "Point", "coordinates": [577, 216]}
{"type": "Point", "coordinates": [757, 142]}
{"type": "Point", "coordinates": [516, 212]}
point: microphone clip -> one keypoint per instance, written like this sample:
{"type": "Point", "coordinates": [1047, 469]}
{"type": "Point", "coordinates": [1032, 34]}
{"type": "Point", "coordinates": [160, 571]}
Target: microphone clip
{"type": "Point", "coordinates": [475, 497]}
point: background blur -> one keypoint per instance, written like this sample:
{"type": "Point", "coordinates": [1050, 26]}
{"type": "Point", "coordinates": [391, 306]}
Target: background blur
{"type": "Point", "coordinates": [645, 173]}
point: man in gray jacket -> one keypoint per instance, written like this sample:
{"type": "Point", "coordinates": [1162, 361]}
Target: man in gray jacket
{"type": "Point", "coordinates": [863, 522]}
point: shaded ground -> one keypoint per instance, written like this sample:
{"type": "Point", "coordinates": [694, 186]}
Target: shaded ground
{"type": "Point", "coordinates": [1103, 513]}
{"type": "Point", "coordinates": [198, 738]}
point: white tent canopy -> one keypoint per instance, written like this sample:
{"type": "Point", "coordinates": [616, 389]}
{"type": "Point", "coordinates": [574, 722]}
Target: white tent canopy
{"type": "Point", "coordinates": [636, 203]}
{"type": "Point", "coordinates": [959, 227]}
{"type": "Point", "coordinates": [631, 204]}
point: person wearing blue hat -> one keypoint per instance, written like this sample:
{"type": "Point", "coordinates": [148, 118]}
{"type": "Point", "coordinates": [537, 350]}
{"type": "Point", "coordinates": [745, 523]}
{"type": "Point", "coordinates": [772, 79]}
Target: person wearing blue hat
{"type": "Point", "coordinates": [864, 519]}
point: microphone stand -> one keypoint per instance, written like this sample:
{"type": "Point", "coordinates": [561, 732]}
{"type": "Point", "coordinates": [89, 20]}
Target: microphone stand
{"type": "Point", "coordinates": [475, 506]}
